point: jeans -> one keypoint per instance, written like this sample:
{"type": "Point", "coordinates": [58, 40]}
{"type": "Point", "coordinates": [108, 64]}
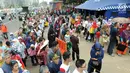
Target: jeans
{"type": "Point", "coordinates": [111, 46]}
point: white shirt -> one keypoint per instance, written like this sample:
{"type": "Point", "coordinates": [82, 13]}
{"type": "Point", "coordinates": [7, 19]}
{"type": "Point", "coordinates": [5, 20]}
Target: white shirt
{"type": "Point", "coordinates": [39, 33]}
{"type": "Point", "coordinates": [65, 67]}
{"type": "Point", "coordinates": [1, 71]}
{"type": "Point", "coordinates": [76, 71]}
{"type": "Point", "coordinates": [85, 23]}
{"type": "Point", "coordinates": [41, 26]}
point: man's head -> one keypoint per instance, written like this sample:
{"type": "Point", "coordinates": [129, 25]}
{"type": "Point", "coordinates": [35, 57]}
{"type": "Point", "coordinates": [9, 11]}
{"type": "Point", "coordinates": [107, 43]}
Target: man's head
{"type": "Point", "coordinates": [55, 46]}
{"type": "Point", "coordinates": [66, 56]}
{"type": "Point", "coordinates": [44, 69]}
{"type": "Point", "coordinates": [8, 43]}
{"type": "Point", "coordinates": [80, 64]}
{"type": "Point", "coordinates": [116, 24]}
{"type": "Point", "coordinates": [55, 58]}
{"type": "Point", "coordinates": [7, 58]}
{"type": "Point", "coordinates": [67, 32]}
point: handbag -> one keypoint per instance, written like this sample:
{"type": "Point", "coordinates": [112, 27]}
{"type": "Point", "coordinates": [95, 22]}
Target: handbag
{"type": "Point", "coordinates": [95, 62]}
{"type": "Point", "coordinates": [121, 47]}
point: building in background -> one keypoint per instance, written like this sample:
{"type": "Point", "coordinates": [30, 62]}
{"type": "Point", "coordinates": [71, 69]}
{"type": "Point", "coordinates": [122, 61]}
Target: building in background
{"type": "Point", "coordinates": [56, 5]}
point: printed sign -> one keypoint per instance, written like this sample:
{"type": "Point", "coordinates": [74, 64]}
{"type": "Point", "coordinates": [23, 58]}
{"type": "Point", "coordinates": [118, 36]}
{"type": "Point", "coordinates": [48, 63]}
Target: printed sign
{"type": "Point", "coordinates": [122, 7]}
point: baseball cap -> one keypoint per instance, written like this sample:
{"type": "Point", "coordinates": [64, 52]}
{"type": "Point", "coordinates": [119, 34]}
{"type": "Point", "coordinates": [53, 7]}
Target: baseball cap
{"type": "Point", "coordinates": [55, 56]}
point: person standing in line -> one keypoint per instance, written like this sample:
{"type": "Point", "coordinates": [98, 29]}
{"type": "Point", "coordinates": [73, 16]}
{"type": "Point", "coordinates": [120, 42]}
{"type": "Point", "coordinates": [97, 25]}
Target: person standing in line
{"type": "Point", "coordinates": [32, 53]}
{"type": "Point", "coordinates": [1, 61]}
{"type": "Point", "coordinates": [113, 38]}
{"type": "Point", "coordinates": [6, 66]}
{"type": "Point", "coordinates": [15, 68]}
{"type": "Point", "coordinates": [75, 46]}
{"type": "Point", "coordinates": [54, 66]}
{"type": "Point", "coordinates": [67, 40]}
{"type": "Point", "coordinates": [80, 66]}
{"type": "Point", "coordinates": [22, 49]}
{"type": "Point", "coordinates": [2, 49]}
{"type": "Point", "coordinates": [44, 69]}
{"type": "Point", "coordinates": [95, 62]}
{"type": "Point", "coordinates": [65, 66]}
{"type": "Point", "coordinates": [4, 30]}
{"type": "Point", "coordinates": [54, 50]}
{"type": "Point", "coordinates": [51, 35]}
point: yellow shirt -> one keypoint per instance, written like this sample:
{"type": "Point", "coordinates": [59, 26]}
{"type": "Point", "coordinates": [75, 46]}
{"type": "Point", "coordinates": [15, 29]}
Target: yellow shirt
{"type": "Point", "coordinates": [1, 63]}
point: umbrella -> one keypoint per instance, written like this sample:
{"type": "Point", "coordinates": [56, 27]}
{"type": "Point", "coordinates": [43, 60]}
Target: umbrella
{"type": "Point", "coordinates": [121, 20]}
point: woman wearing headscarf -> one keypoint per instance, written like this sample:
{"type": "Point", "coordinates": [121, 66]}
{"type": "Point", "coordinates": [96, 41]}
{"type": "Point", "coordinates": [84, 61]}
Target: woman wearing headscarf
{"type": "Point", "coordinates": [51, 35]}
{"type": "Point", "coordinates": [57, 27]}
{"type": "Point", "coordinates": [97, 54]}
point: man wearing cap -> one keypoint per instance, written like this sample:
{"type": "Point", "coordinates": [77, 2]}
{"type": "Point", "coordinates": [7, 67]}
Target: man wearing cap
{"type": "Point", "coordinates": [54, 66]}
{"type": "Point", "coordinates": [53, 50]}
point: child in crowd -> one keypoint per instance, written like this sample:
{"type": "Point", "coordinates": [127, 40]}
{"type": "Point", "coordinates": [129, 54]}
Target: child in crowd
{"type": "Point", "coordinates": [32, 54]}
{"type": "Point", "coordinates": [67, 40]}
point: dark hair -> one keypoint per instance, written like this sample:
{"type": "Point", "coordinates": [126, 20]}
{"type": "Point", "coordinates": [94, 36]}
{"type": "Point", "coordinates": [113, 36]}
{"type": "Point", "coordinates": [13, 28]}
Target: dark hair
{"type": "Point", "coordinates": [8, 43]}
{"type": "Point", "coordinates": [115, 24]}
{"type": "Point", "coordinates": [66, 55]}
{"type": "Point", "coordinates": [12, 52]}
{"type": "Point", "coordinates": [41, 38]}
{"type": "Point", "coordinates": [13, 62]}
{"type": "Point", "coordinates": [79, 63]}
{"type": "Point", "coordinates": [54, 43]}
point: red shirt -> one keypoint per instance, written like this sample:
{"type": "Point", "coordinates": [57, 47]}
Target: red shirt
{"type": "Point", "coordinates": [98, 34]}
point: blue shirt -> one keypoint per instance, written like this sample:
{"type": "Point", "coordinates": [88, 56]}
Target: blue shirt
{"type": "Point", "coordinates": [20, 71]}
{"type": "Point", "coordinates": [6, 68]}
{"type": "Point", "coordinates": [54, 68]}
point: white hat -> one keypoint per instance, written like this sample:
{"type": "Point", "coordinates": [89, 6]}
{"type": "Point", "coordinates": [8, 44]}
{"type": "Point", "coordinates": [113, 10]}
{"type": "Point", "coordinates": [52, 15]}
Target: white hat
{"type": "Point", "coordinates": [32, 31]}
{"type": "Point", "coordinates": [11, 33]}
{"type": "Point", "coordinates": [32, 45]}
{"type": "Point", "coordinates": [44, 44]}
{"type": "Point", "coordinates": [19, 37]}
{"type": "Point", "coordinates": [15, 40]}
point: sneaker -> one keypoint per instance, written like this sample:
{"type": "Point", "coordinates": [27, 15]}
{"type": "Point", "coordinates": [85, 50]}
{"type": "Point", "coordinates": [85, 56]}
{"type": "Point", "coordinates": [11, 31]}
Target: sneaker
{"type": "Point", "coordinates": [112, 55]}
{"type": "Point", "coordinates": [119, 55]}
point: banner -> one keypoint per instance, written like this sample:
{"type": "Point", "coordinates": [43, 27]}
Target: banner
{"type": "Point", "coordinates": [122, 7]}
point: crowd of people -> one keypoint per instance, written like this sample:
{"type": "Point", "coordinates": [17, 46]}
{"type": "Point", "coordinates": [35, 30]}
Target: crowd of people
{"type": "Point", "coordinates": [53, 54]}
